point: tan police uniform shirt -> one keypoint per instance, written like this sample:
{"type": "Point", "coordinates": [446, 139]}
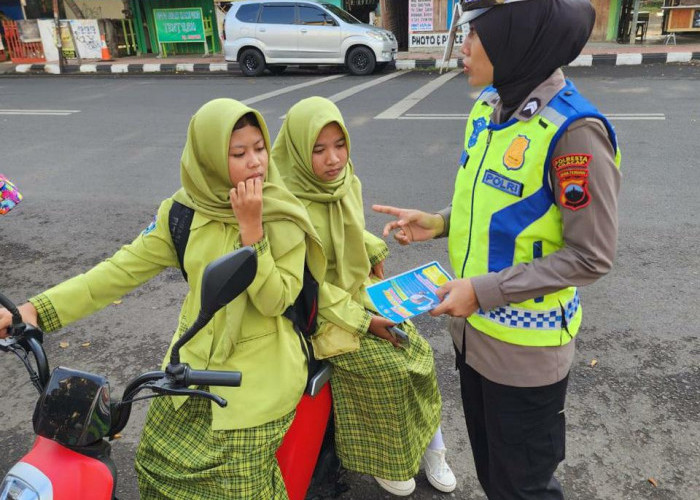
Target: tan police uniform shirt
{"type": "Point", "coordinates": [590, 235]}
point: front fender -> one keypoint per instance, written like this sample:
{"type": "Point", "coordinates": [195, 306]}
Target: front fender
{"type": "Point", "coordinates": [70, 475]}
{"type": "Point", "coordinates": [243, 43]}
{"type": "Point", "coordinates": [353, 41]}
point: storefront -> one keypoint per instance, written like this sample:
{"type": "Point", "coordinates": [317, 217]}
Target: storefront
{"type": "Point", "coordinates": [194, 20]}
{"type": "Point", "coordinates": [681, 16]}
{"type": "Point", "coordinates": [11, 9]}
{"type": "Point", "coordinates": [361, 9]}
{"type": "Point", "coordinates": [429, 21]}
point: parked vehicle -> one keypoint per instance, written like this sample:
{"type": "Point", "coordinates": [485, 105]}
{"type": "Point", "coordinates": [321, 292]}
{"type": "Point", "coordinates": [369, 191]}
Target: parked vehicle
{"type": "Point", "coordinates": [75, 417]}
{"type": "Point", "coordinates": [275, 34]}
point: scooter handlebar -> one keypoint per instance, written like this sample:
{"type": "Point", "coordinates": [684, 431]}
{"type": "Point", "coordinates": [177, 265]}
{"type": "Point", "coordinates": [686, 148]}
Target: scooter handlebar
{"type": "Point", "coordinates": [212, 378]}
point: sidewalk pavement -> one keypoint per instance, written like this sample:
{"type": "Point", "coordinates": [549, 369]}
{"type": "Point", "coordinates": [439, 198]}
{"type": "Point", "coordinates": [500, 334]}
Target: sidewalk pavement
{"type": "Point", "coordinates": [653, 50]}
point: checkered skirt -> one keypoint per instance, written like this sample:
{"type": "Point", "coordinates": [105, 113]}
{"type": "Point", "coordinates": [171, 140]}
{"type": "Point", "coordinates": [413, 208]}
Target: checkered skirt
{"type": "Point", "coordinates": [387, 405]}
{"type": "Point", "coordinates": [180, 457]}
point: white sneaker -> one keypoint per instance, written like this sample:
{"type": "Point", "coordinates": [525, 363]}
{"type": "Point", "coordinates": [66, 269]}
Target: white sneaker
{"type": "Point", "coordinates": [398, 488]}
{"type": "Point", "coordinates": [439, 473]}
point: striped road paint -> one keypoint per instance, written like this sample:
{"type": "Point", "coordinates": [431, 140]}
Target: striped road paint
{"type": "Point", "coordinates": [39, 112]}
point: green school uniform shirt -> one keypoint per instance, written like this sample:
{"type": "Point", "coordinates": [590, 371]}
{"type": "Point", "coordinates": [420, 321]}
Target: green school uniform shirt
{"type": "Point", "coordinates": [249, 334]}
{"type": "Point", "coordinates": [337, 213]}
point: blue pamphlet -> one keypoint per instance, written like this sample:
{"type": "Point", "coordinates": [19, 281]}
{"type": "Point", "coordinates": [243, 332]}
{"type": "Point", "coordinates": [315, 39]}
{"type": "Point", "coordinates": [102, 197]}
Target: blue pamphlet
{"type": "Point", "coordinates": [408, 294]}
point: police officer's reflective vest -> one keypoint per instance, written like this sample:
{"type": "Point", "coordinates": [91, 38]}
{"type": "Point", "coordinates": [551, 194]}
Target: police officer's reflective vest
{"type": "Point", "coordinates": [504, 213]}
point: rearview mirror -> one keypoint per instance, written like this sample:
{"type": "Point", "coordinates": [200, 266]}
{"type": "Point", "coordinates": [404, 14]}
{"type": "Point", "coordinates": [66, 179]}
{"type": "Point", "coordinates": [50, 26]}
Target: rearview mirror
{"type": "Point", "coordinates": [223, 280]}
{"type": "Point", "coordinates": [226, 278]}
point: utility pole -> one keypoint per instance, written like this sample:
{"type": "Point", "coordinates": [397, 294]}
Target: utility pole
{"type": "Point", "coordinates": [635, 17]}
{"type": "Point", "coordinates": [59, 43]}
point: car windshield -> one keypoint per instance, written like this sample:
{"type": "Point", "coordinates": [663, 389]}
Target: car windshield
{"type": "Point", "coordinates": [341, 13]}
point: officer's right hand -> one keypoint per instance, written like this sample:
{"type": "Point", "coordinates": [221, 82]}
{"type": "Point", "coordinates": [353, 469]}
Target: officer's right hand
{"type": "Point", "coordinates": [29, 316]}
{"type": "Point", "coordinates": [411, 225]}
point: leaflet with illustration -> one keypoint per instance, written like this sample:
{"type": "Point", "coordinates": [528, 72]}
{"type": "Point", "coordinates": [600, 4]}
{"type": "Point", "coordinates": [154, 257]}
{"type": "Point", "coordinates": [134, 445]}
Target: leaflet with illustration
{"type": "Point", "coordinates": [409, 294]}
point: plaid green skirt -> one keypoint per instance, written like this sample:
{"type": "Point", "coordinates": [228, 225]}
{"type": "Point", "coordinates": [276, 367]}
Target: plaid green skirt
{"type": "Point", "coordinates": [387, 406]}
{"type": "Point", "coordinates": [181, 457]}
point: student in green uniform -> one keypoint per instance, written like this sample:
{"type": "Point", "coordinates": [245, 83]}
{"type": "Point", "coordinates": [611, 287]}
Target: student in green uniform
{"type": "Point", "coordinates": [386, 399]}
{"type": "Point", "coordinates": [190, 447]}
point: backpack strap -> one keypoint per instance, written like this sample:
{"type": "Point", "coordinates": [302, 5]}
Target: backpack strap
{"type": "Point", "coordinates": [304, 317]}
{"type": "Point", "coordinates": [304, 312]}
{"type": "Point", "coordinates": [179, 221]}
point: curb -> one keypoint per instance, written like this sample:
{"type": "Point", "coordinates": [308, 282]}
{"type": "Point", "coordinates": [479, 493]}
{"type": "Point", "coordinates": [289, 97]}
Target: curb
{"type": "Point", "coordinates": [622, 59]}
{"type": "Point", "coordinates": [120, 68]}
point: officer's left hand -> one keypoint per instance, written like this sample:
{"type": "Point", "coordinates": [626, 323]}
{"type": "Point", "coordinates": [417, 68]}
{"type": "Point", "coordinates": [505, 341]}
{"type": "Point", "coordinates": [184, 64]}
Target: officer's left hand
{"type": "Point", "coordinates": [457, 298]}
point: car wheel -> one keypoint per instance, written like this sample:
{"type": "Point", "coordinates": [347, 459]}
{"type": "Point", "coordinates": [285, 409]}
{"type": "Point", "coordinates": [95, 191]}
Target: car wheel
{"type": "Point", "coordinates": [360, 61]}
{"type": "Point", "coordinates": [277, 70]}
{"type": "Point", "coordinates": [252, 62]}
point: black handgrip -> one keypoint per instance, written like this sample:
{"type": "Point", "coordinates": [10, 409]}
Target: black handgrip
{"type": "Point", "coordinates": [212, 378]}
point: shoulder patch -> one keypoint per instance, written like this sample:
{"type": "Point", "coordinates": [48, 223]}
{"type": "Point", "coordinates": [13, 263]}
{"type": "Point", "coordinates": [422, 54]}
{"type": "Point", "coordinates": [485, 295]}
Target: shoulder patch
{"type": "Point", "coordinates": [150, 227]}
{"type": "Point", "coordinates": [531, 107]}
{"type": "Point", "coordinates": [478, 126]}
{"type": "Point", "coordinates": [572, 172]}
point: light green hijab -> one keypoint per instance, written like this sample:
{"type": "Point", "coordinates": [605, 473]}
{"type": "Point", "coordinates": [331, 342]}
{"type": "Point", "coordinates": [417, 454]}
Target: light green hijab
{"type": "Point", "coordinates": [206, 182]}
{"type": "Point", "coordinates": [335, 207]}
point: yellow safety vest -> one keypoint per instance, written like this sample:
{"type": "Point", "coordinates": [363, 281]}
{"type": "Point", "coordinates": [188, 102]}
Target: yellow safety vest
{"type": "Point", "coordinates": [504, 213]}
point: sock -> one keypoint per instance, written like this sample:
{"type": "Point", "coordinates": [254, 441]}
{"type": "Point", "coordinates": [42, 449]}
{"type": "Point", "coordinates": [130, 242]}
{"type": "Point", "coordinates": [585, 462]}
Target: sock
{"type": "Point", "coordinates": [437, 443]}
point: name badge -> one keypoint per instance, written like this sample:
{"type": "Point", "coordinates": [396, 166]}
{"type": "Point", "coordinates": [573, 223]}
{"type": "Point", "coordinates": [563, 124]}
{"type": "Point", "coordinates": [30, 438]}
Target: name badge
{"type": "Point", "coordinates": [503, 183]}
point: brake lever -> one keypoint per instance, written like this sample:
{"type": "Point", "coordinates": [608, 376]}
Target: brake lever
{"type": "Point", "coordinates": [8, 343]}
{"type": "Point", "coordinates": [163, 387]}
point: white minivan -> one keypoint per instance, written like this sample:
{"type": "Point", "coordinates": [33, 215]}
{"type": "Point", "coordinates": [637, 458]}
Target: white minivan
{"type": "Point", "coordinates": [271, 34]}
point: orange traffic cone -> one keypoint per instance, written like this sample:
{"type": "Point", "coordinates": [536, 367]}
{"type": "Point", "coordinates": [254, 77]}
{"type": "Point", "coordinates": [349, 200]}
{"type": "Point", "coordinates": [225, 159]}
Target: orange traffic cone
{"type": "Point", "coordinates": [106, 56]}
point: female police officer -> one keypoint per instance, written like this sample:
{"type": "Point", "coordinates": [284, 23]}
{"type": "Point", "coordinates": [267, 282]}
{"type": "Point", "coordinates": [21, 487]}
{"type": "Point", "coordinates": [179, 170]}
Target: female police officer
{"type": "Point", "coordinates": [534, 214]}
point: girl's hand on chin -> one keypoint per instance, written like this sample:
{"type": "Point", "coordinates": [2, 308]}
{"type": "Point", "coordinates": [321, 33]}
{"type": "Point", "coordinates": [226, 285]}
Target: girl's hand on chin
{"type": "Point", "coordinates": [247, 204]}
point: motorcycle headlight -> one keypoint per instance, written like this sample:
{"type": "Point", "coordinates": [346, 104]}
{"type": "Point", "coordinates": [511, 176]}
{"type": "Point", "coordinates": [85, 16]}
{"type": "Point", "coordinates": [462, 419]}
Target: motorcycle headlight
{"type": "Point", "coordinates": [13, 488]}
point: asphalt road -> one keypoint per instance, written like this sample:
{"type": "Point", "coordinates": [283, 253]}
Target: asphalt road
{"type": "Point", "coordinates": [94, 174]}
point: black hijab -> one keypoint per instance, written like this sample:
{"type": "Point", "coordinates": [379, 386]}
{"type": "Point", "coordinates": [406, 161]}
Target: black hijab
{"type": "Point", "coordinates": [527, 41]}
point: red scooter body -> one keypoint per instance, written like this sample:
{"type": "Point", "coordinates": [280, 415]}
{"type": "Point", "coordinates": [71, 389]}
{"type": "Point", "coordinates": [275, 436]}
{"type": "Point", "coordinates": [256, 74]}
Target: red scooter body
{"type": "Point", "coordinates": [89, 473]}
{"type": "Point", "coordinates": [75, 416]}
{"type": "Point", "coordinates": [72, 475]}
{"type": "Point", "coordinates": [300, 448]}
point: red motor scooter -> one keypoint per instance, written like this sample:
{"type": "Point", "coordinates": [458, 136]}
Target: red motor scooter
{"type": "Point", "coordinates": [75, 417]}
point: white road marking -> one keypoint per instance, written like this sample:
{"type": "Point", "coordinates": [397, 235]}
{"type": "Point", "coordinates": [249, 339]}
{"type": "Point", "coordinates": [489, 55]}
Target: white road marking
{"type": "Point", "coordinates": [636, 116]}
{"type": "Point", "coordinates": [679, 56]}
{"type": "Point", "coordinates": [431, 117]}
{"type": "Point", "coordinates": [363, 86]}
{"type": "Point", "coordinates": [411, 100]}
{"type": "Point", "coordinates": [582, 60]}
{"type": "Point", "coordinates": [291, 88]}
{"type": "Point", "coordinates": [189, 67]}
{"type": "Point", "coordinates": [459, 116]}
{"type": "Point", "coordinates": [39, 112]}
{"type": "Point", "coordinates": [628, 59]}
{"type": "Point", "coordinates": [359, 88]}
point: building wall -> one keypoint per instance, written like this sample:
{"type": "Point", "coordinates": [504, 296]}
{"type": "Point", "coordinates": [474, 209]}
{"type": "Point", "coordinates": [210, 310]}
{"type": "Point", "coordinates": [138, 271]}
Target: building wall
{"type": "Point", "coordinates": [602, 17]}
{"type": "Point", "coordinates": [96, 9]}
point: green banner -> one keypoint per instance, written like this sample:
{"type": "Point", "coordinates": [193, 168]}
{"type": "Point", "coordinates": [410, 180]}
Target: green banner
{"type": "Point", "coordinates": [179, 25]}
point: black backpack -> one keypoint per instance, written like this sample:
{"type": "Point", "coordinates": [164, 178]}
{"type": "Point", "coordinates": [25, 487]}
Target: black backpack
{"type": "Point", "coordinates": [303, 313]}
